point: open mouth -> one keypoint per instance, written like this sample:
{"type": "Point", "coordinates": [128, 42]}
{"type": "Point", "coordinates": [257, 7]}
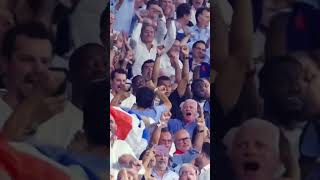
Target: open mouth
{"type": "Point", "coordinates": [251, 166]}
{"type": "Point", "coordinates": [188, 113]}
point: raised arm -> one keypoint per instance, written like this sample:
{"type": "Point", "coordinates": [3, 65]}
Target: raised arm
{"type": "Point", "coordinates": [182, 85]}
{"type": "Point", "coordinates": [235, 64]}
{"type": "Point", "coordinates": [156, 67]}
{"type": "Point", "coordinates": [160, 93]}
{"type": "Point", "coordinates": [171, 36]}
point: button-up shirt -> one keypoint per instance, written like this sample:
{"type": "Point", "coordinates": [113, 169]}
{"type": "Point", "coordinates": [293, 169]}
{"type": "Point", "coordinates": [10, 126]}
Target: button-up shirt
{"type": "Point", "coordinates": [198, 34]}
{"type": "Point", "coordinates": [123, 15]}
{"type": "Point", "coordinates": [141, 51]}
{"type": "Point", "coordinates": [169, 175]}
{"type": "Point", "coordinates": [205, 173]}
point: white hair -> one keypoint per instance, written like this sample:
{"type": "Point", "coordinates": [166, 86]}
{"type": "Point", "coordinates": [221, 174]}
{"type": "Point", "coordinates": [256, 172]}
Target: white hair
{"type": "Point", "coordinates": [254, 123]}
{"type": "Point", "coordinates": [188, 165]}
{"type": "Point", "coordinates": [189, 100]}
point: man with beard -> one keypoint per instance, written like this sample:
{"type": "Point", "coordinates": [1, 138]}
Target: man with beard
{"type": "Point", "coordinates": [119, 95]}
{"type": "Point", "coordinates": [258, 150]}
{"type": "Point", "coordinates": [162, 168]}
{"type": "Point", "coordinates": [200, 89]}
{"type": "Point", "coordinates": [31, 103]}
{"type": "Point", "coordinates": [284, 87]}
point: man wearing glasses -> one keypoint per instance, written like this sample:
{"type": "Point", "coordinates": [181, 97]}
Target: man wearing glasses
{"type": "Point", "coordinates": [186, 151]}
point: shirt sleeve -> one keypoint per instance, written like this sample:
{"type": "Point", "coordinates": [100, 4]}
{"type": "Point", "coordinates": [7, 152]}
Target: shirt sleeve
{"type": "Point", "coordinates": [171, 36]}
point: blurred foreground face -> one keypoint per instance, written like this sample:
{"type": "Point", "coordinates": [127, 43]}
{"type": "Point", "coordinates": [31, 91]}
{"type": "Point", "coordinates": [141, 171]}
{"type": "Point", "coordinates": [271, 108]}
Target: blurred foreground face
{"type": "Point", "coordinates": [254, 154]}
{"type": "Point", "coordinates": [29, 62]}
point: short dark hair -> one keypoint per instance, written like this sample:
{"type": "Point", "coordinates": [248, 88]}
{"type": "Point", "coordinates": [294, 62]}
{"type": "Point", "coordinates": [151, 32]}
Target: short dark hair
{"type": "Point", "coordinates": [146, 62]}
{"type": "Point", "coordinates": [203, 4]}
{"type": "Point", "coordinates": [32, 30]}
{"type": "Point", "coordinates": [165, 130]}
{"type": "Point", "coordinates": [145, 97]}
{"type": "Point", "coordinates": [163, 78]}
{"type": "Point", "coordinates": [183, 9]}
{"type": "Point", "coordinates": [200, 11]}
{"type": "Point", "coordinates": [95, 113]}
{"type": "Point", "coordinates": [198, 42]}
{"type": "Point", "coordinates": [271, 66]}
{"type": "Point", "coordinates": [152, 2]}
{"type": "Point", "coordinates": [81, 53]}
{"type": "Point", "coordinates": [196, 83]}
{"type": "Point", "coordinates": [119, 71]}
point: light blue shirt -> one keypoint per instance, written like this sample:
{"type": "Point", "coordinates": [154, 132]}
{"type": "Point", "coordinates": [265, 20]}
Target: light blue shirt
{"type": "Point", "coordinates": [155, 112]}
{"type": "Point", "coordinates": [198, 34]}
{"type": "Point", "coordinates": [186, 157]}
{"type": "Point", "coordinates": [169, 175]}
{"type": "Point", "coordinates": [123, 16]}
{"type": "Point", "coordinates": [175, 125]}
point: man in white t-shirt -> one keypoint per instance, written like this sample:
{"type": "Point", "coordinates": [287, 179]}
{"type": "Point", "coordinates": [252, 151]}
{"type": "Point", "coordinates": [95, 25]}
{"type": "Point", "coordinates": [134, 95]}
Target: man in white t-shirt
{"type": "Point", "coordinates": [119, 94]}
{"type": "Point", "coordinates": [32, 109]}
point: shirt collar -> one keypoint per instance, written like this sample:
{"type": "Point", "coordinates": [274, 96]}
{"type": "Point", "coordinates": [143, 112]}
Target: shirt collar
{"type": "Point", "coordinates": [197, 28]}
{"type": "Point", "coordinates": [154, 172]}
{"type": "Point", "coordinates": [206, 168]}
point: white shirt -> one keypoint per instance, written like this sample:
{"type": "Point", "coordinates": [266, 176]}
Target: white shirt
{"type": "Point", "coordinates": [166, 69]}
{"type": "Point", "coordinates": [127, 103]}
{"type": "Point", "coordinates": [141, 51]}
{"type": "Point", "coordinates": [205, 173]}
{"type": "Point", "coordinates": [57, 131]}
{"type": "Point", "coordinates": [124, 15]}
{"type": "Point", "coordinates": [85, 21]}
{"type": "Point", "coordinates": [118, 149]}
{"type": "Point", "coordinates": [193, 15]}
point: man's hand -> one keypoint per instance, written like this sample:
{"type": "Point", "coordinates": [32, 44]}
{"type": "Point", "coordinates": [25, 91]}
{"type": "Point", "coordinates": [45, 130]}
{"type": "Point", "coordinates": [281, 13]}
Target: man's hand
{"type": "Point", "coordinates": [164, 119]}
{"type": "Point", "coordinates": [185, 50]}
{"type": "Point", "coordinates": [160, 50]}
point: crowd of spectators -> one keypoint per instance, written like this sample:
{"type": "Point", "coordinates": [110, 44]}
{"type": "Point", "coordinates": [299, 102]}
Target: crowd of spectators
{"type": "Point", "coordinates": [160, 71]}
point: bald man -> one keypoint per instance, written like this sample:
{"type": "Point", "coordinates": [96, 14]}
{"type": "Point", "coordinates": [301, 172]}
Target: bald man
{"type": "Point", "coordinates": [255, 152]}
{"type": "Point", "coordinates": [185, 152]}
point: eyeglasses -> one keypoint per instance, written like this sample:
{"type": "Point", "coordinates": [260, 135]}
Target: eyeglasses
{"type": "Point", "coordinates": [183, 139]}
